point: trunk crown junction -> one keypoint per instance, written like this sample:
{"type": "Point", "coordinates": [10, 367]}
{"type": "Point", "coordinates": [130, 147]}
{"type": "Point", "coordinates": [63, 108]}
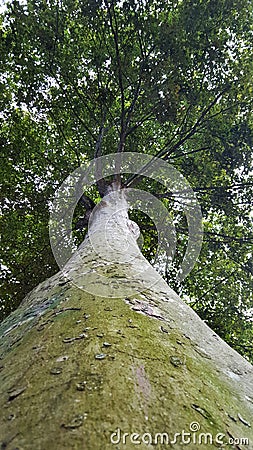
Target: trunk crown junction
{"type": "Point", "coordinates": [109, 261]}
{"type": "Point", "coordinates": [110, 217]}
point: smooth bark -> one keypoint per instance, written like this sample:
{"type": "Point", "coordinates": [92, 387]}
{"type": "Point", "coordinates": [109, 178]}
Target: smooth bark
{"type": "Point", "coordinates": [105, 347]}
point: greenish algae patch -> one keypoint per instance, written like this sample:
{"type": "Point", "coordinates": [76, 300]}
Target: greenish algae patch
{"type": "Point", "coordinates": [92, 369]}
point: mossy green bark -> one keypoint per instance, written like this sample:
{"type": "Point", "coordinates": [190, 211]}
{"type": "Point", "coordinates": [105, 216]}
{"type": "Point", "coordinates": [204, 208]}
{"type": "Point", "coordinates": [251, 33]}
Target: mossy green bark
{"type": "Point", "coordinates": [88, 367]}
{"type": "Point", "coordinates": [81, 369]}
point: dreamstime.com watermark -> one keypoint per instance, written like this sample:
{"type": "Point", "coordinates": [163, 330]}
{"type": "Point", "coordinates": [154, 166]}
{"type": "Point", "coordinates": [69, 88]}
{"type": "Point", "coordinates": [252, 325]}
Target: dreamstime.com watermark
{"type": "Point", "coordinates": [192, 436]}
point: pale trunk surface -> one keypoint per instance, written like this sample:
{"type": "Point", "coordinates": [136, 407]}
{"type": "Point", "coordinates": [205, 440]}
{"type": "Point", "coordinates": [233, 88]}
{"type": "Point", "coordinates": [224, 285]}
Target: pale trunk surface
{"type": "Point", "coordinates": [78, 365]}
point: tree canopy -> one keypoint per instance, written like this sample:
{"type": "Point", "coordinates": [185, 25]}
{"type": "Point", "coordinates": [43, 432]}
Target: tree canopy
{"type": "Point", "coordinates": [171, 79]}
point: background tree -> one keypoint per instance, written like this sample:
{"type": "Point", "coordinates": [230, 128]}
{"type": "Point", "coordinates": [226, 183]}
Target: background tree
{"type": "Point", "coordinates": [174, 80]}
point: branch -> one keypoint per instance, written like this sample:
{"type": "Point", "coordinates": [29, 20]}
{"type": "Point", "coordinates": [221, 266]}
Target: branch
{"type": "Point", "coordinates": [65, 138]}
{"type": "Point", "coordinates": [113, 20]}
{"type": "Point", "coordinates": [55, 37]}
{"type": "Point", "coordinates": [101, 183]}
{"type": "Point", "coordinates": [141, 121]}
{"type": "Point", "coordinates": [74, 86]}
{"type": "Point", "coordinates": [193, 130]}
{"type": "Point", "coordinates": [209, 188]}
{"type": "Point", "coordinates": [132, 106]}
{"type": "Point", "coordinates": [164, 152]}
{"type": "Point", "coordinates": [65, 94]}
{"type": "Point", "coordinates": [225, 237]}
{"type": "Point", "coordinates": [246, 267]}
{"type": "Point", "coordinates": [192, 151]}
{"type": "Point", "coordinates": [213, 288]}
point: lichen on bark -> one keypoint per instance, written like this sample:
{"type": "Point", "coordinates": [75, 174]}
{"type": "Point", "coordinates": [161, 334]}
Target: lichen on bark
{"type": "Point", "coordinates": [100, 371]}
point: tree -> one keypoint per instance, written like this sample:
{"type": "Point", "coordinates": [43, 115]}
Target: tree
{"type": "Point", "coordinates": [173, 81]}
{"type": "Point", "coordinates": [82, 370]}
{"type": "Point", "coordinates": [144, 77]}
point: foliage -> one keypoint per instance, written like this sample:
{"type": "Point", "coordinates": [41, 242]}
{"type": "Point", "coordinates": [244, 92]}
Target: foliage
{"type": "Point", "coordinates": [172, 79]}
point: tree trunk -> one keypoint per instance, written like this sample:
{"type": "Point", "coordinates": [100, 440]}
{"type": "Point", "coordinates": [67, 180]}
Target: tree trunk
{"type": "Point", "coordinates": [105, 355]}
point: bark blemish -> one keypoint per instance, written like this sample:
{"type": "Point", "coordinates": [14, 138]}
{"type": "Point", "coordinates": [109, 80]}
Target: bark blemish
{"type": "Point", "coordinates": [68, 340]}
{"type": "Point", "coordinates": [142, 385]}
{"type": "Point", "coordinates": [62, 358]}
{"type": "Point", "coordinates": [16, 393]}
{"type": "Point", "coordinates": [245, 422]}
{"type": "Point", "coordinates": [76, 422]}
{"type": "Point", "coordinates": [81, 386]}
{"type": "Point", "coordinates": [56, 371]}
{"type": "Point", "coordinates": [176, 361]}
{"type": "Point", "coordinates": [100, 356]}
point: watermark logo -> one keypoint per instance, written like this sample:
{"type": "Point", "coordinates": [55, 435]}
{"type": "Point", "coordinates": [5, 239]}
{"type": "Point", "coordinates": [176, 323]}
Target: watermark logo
{"type": "Point", "coordinates": [184, 437]}
{"type": "Point", "coordinates": [158, 170]}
